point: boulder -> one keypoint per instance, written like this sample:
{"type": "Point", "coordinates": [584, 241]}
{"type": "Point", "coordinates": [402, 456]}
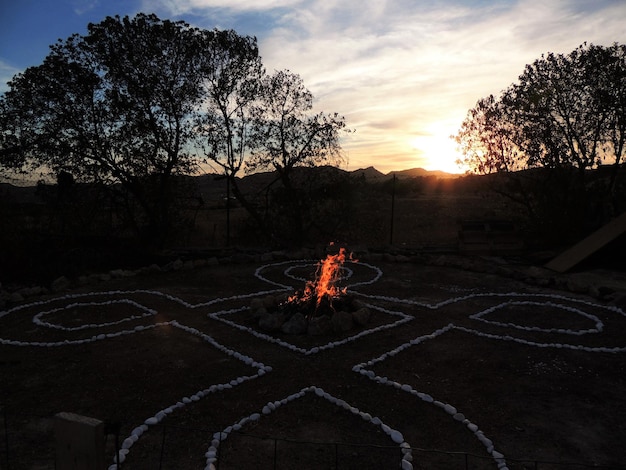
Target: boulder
{"type": "Point", "coordinates": [362, 316]}
{"type": "Point", "coordinates": [59, 284]}
{"type": "Point", "coordinates": [341, 321]}
{"type": "Point", "coordinates": [320, 325]}
{"type": "Point", "coordinates": [296, 325]}
{"type": "Point", "coordinates": [256, 304]}
{"type": "Point", "coordinates": [270, 302]}
{"type": "Point", "coordinates": [271, 322]}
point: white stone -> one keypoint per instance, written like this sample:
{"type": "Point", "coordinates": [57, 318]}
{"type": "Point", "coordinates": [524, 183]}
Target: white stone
{"type": "Point", "coordinates": [406, 465]}
{"type": "Point", "coordinates": [450, 409]}
{"type": "Point", "coordinates": [397, 437]}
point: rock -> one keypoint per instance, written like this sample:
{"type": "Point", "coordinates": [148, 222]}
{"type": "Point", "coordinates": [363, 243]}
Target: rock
{"type": "Point", "coordinates": [271, 321]}
{"type": "Point", "coordinates": [259, 312]}
{"type": "Point", "coordinates": [256, 304]}
{"type": "Point", "coordinates": [16, 297]}
{"type": "Point", "coordinates": [576, 286]}
{"type": "Point", "coordinates": [59, 284]}
{"type": "Point", "coordinates": [390, 258]}
{"type": "Point", "coordinates": [242, 258]}
{"type": "Point", "coordinates": [362, 316]}
{"type": "Point", "coordinates": [618, 299]}
{"type": "Point", "coordinates": [199, 263]}
{"type": "Point", "coordinates": [341, 321]}
{"type": "Point", "coordinates": [320, 325]}
{"type": "Point", "coordinates": [174, 265]}
{"type": "Point", "coordinates": [296, 325]}
{"type": "Point", "coordinates": [188, 265]}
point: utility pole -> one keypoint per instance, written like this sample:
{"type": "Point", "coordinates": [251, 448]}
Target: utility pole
{"type": "Point", "coordinates": [393, 203]}
{"type": "Point", "coordinates": [221, 177]}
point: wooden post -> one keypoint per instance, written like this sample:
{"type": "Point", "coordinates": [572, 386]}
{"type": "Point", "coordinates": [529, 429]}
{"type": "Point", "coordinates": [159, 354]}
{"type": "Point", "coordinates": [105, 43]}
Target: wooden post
{"type": "Point", "coordinates": [79, 442]}
{"type": "Point", "coordinates": [585, 248]}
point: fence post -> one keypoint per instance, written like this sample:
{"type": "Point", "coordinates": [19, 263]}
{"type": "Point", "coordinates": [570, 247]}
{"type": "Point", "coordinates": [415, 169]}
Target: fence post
{"type": "Point", "coordinates": [275, 452]}
{"type": "Point", "coordinates": [162, 448]}
{"type": "Point", "coordinates": [79, 442]}
{"type": "Point", "coordinates": [6, 434]}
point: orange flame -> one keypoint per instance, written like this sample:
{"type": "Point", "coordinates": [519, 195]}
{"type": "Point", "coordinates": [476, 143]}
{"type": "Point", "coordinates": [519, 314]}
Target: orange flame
{"type": "Point", "coordinates": [327, 274]}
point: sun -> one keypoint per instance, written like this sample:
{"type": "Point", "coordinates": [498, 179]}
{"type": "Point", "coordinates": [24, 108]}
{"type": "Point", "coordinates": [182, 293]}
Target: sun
{"type": "Point", "coordinates": [437, 150]}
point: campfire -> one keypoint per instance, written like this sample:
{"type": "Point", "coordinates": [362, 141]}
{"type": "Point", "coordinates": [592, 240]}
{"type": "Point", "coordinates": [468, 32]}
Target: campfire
{"type": "Point", "coordinates": [322, 293]}
{"type": "Point", "coordinates": [321, 307]}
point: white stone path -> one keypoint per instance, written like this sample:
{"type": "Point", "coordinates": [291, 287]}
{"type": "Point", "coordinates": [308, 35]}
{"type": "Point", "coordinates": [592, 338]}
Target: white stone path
{"type": "Point", "coordinates": [397, 319]}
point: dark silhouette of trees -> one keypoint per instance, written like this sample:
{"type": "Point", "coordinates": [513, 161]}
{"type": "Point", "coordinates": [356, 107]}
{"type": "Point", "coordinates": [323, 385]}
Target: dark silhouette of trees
{"type": "Point", "coordinates": [285, 136]}
{"type": "Point", "coordinates": [138, 102]}
{"type": "Point", "coordinates": [564, 117]}
{"type": "Point", "coordinates": [231, 78]}
{"type": "Point", "coordinates": [114, 106]}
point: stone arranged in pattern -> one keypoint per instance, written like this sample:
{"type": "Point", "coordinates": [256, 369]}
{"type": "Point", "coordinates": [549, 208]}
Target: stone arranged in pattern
{"type": "Point", "coordinates": [397, 319]}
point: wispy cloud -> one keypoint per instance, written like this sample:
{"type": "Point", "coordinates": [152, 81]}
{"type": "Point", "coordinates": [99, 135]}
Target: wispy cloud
{"type": "Point", "coordinates": [7, 72]}
{"type": "Point", "coordinates": [403, 72]}
{"type": "Point", "coordinates": [83, 6]}
{"type": "Point", "coordinates": [418, 69]}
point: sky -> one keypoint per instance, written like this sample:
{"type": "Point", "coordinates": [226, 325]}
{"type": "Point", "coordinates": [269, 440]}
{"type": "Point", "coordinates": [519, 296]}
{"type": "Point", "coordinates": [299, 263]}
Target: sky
{"type": "Point", "coordinates": [403, 73]}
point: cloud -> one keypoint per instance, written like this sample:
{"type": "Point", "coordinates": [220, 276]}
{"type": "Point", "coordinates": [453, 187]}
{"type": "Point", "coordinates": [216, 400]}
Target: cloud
{"type": "Point", "coordinates": [7, 72]}
{"type": "Point", "coordinates": [408, 66]}
{"type": "Point", "coordinates": [404, 73]}
{"type": "Point", "coordinates": [83, 6]}
{"type": "Point", "coordinates": [181, 7]}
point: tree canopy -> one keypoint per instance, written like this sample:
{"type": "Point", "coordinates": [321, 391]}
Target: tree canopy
{"type": "Point", "coordinates": [565, 110]}
{"type": "Point", "coordinates": [140, 100]}
{"type": "Point", "coordinates": [566, 115]}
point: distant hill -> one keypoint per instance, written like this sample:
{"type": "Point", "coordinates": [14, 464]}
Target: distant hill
{"type": "Point", "coordinates": [213, 186]}
{"type": "Point", "coordinates": [369, 173]}
{"type": "Point", "coordinates": [415, 172]}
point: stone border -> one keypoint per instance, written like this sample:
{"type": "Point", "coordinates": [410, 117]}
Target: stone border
{"type": "Point", "coordinates": [532, 275]}
{"type": "Point", "coordinates": [362, 368]}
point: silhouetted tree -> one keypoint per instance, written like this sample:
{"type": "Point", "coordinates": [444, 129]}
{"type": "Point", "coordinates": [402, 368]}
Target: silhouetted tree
{"type": "Point", "coordinates": [287, 135]}
{"type": "Point", "coordinates": [231, 77]}
{"type": "Point", "coordinates": [565, 115]}
{"type": "Point", "coordinates": [121, 105]}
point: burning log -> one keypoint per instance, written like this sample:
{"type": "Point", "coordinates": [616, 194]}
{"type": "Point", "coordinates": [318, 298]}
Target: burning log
{"type": "Point", "coordinates": [320, 308]}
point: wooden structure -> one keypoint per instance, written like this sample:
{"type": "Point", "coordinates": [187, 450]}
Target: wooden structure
{"type": "Point", "coordinates": [588, 246]}
{"type": "Point", "coordinates": [490, 236]}
{"type": "Point", "coordinates": [79, 442]}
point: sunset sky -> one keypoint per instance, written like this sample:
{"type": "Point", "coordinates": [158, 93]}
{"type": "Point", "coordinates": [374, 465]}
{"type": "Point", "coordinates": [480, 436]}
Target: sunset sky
{"type": "Point", "coordinates": [404, 73]}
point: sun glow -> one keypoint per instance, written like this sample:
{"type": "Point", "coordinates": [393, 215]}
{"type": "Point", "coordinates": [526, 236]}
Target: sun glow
{"type": "Point", "coordinates": [437, 151]}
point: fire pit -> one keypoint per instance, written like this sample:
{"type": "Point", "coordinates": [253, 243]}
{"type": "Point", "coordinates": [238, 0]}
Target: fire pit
{"type": "Point", "coordinates": [321, 307]}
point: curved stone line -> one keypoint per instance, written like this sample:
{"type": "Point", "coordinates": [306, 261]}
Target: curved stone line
{"type": "Point", "coordinates": [92, 339]}
{"type": "Point", "coordinates": [574, 347]}
{"type": "Point", "coordinates": [438, 305]}
{"type": "Point", "coordinates": [37, 319]}
{"type": "Point", "coordinates": [287, 272]}
{"type": "Point", "coordinates": [258, 272]}
{"type": "Point", "coordinates": [451, 410]}
{"type": "Point", "coordinates": [359, 368]}
{"type": "Point", "coordinates": [316, 349]}
{"type": "Point", "coordinates": [395, 435]}
{"type": "Point", "coordinates": [599, 325]}
{"type": "Point", "coordinates": [138, 431]}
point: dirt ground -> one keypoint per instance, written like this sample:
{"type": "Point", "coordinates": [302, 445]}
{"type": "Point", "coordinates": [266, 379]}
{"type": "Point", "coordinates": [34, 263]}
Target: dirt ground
{"type": "Point", "coordinates": [517, 373]}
